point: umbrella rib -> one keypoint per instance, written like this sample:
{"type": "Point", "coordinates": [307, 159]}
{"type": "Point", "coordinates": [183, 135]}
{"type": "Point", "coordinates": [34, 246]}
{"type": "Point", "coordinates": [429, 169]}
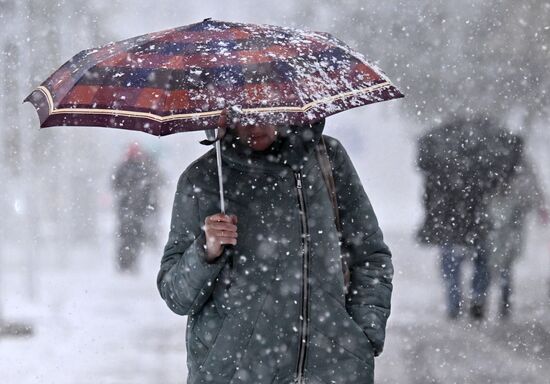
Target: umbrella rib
{"type": "Point", "coordinates": [147, 115]}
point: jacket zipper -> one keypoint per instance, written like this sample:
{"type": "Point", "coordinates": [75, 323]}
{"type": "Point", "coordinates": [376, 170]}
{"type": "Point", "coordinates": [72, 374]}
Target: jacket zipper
{"type": "Point", "coordinates": [304, 314]}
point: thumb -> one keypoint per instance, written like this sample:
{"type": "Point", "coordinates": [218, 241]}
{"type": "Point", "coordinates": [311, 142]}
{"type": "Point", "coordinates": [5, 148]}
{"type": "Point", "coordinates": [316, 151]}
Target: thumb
{"type": "Point", "coordinates": [234, 219]}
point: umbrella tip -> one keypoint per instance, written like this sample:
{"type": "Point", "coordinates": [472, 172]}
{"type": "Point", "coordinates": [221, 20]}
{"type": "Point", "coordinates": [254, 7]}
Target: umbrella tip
{"type": "Point", "coordinates": [28, 98]}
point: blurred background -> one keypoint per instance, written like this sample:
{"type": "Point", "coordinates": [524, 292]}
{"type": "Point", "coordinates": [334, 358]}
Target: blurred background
{"type": "Point", "coordinates": [76, 320]}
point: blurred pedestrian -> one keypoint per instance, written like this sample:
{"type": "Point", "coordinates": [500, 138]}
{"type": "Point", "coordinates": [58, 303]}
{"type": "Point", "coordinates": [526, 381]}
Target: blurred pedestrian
{"type": "Point", "coordinates": [463, 161]}
{"type": "Point", "coordinates": [264, 286]}
{"type": "Point", "coordinates": [136, 186]}
{"type": "Point", "coordinates": [509, 208]}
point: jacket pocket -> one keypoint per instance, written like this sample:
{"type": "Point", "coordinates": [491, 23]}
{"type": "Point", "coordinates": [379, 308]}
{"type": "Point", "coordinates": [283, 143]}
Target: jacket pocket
{"type": "Point", "coordinates": [340, 328]}
{"type": "Point", "coordinates": [203, 333]}
{"type": "Point", "coordinates": [336, 363]}
{"type": "Point", "coordinates": [222, 356]}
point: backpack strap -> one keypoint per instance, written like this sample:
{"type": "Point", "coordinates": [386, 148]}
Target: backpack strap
{"type": "Point", "coordinates": [326, 170]}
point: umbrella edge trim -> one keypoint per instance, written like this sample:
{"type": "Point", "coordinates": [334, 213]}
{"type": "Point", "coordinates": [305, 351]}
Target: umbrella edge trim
{"type": "Point", "coordinates": [151, 116]}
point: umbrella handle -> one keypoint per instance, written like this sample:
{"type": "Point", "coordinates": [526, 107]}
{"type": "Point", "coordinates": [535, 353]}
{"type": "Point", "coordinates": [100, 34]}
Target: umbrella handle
{"type": "Point", "coordinates": [211, 135]}
{"type": "Point", "coordinates": [220, 175]}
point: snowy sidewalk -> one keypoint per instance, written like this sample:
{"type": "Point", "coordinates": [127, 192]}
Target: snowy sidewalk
{"type": "Point", "coordinates": [423, 347]}
{"type": "Point", "coordinates": [92, 325]}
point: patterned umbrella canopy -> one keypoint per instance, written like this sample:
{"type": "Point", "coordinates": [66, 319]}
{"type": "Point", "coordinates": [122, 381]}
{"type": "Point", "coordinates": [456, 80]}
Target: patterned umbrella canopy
{"type": "Point", "coordinates": [183, 78]}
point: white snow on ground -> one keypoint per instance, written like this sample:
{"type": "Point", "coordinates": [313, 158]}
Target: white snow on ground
{"type": "Point", "coordinates": [93, 325]}
{"type": "Point", "coordinates": [423, 347]}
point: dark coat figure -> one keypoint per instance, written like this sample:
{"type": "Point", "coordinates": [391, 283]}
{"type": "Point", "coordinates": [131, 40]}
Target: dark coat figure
{"type": "Point", "coordinates": [135, 184]}
{"type": "Point", "coordinates": [509, 208]}
{"type": "Point", "coordinates": [272, 308]}
{"type": "Point", "coordinates": [463, 162]}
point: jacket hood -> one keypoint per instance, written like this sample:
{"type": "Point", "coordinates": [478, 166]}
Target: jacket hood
{"type": "Point", "coordinates": [292, 148]}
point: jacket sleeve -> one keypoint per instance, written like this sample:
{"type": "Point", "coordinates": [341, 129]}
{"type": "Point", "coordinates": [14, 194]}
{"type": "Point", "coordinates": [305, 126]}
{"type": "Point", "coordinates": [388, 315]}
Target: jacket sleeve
{"type": "Point", "coordinates": [185, 279]}
{"type": "Point", "coordinates": [370, 263]}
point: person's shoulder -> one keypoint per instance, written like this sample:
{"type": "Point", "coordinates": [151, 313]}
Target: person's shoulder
{"type": "Point", "coordinates": [196, 171]}
{"type": "Point", "coordinates": [332, 143]}
{"type": "Point", "coordinates": [335, 149]}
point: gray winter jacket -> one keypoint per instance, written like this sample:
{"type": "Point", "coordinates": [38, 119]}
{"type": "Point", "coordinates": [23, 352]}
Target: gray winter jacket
{"type": "Point", "coordinates": [272, 309]}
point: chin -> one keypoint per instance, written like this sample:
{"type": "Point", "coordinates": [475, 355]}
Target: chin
{"type": "Point", "coordinates": [260, 147]}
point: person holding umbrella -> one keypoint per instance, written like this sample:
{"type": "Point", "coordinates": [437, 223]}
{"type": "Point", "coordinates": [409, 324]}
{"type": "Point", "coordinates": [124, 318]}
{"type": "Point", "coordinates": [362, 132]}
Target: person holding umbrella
{"type": "Point", "coordinates": [292, 283]}
{"type": "Point", "coordinates": [263, 285]}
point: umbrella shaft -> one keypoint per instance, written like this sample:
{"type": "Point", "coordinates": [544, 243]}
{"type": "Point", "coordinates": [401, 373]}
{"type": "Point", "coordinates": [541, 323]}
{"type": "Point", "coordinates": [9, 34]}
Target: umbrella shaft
{"type": "Point", "coordinates": [220, 175]}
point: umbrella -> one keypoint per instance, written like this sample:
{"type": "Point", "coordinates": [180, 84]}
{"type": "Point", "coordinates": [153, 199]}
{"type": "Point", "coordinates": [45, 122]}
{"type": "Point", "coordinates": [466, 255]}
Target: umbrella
{"type": "Point", "coordinates": [468, 152]}
{"type": "Point", "coordinates": [187, 78]}
{"type": "Point", "coordinates": [464, 161]}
